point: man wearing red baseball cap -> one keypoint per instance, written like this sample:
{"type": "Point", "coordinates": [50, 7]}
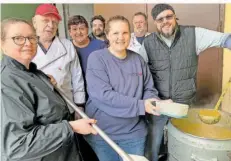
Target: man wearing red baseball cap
{"type": "Point", "coordinates": [56, 56]}
{"type": "Point", "coordinates": [46, 22]}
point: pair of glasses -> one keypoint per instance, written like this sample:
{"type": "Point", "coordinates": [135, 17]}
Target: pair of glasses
{"type": "Point", "coordinates": [21, 40]}
{"type": "Point", "coordinates": [139, 22]}
{"type": "Point", "coordinates": [168, 18]}
{"type": "Point", "coordinates": [47, 21]}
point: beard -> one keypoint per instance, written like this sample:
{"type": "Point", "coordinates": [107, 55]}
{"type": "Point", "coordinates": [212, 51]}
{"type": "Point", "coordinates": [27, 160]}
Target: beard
{"type": "Point", "coordinates": [98, 33]}
{"type": "Point", "coordinates": [140, 30]}
{"type": "Point", "coordinates": [169, 33]}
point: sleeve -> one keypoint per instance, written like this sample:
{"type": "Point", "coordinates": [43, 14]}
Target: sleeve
{"type": "Point", "coordinates": [24, 139]}
{"type": "Point", "coordinates": [108, 100]}
{"type": "Point", "coordinates": [207, 38]}
{"type": "Point", "coordinates": [149, 88]}
{"type": "Point", "coordinates": [77, 78]}
{"type": "Point", "coordinates": [227, 43]}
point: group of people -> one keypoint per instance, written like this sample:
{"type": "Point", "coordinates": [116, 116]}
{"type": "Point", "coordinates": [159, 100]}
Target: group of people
{"type": "Point", "coordinates": [112, 74]}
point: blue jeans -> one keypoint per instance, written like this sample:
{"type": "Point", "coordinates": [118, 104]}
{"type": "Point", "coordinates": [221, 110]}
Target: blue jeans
{"type": "Point", "coordinates": [106, 153]}
{"type": "Point", "coordinates": [155, 134]}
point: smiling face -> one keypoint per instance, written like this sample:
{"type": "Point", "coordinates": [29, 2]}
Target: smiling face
{"type": "Point", "coordinates": [98, 27]}
{"type": "Point", "coordinates": [46, 26]}
{"type": "Point", "coordinates": [23, 53]}
{"type": "Point", "coordinates": [166, 23]}
{"type": "Point", "coordinates": [79, 33]}
{"type": "Point", "coordinates": [118, 35]}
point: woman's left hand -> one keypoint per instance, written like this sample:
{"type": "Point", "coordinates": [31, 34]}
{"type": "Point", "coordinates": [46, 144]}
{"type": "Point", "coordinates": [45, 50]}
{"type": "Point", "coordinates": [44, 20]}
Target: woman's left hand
{"type": "Point", "coordinates": [52, 79]}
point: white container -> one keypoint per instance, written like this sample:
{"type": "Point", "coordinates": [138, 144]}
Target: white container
{"type": "Point", "coordinates": [187, 147]}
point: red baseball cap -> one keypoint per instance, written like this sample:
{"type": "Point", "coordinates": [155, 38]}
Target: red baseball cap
{"type": "Point", "coordinates": [45, 9]}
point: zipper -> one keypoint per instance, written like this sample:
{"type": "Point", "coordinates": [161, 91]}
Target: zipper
{"type": "Point", "coordinates": [170, 59]}
{"type": "Point", "coordinates": [170, 73]}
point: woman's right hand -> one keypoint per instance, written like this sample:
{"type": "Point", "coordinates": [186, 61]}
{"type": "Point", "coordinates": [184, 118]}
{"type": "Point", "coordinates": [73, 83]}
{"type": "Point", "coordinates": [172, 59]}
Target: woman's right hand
{"type": "Point", "coordinates": [83, 126]}
{"type": "Point", "coordinates": [150, 108]}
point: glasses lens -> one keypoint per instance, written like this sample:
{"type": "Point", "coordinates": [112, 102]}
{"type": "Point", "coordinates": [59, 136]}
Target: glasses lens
{"type": "Point", "coordinates": [19, 40]}
{"type": "Point", "coordinates": [33, 40]}
{"type": "Point", "coordinates": [160, 20]}
{"type": "Point", "coordinates": [169, 17]}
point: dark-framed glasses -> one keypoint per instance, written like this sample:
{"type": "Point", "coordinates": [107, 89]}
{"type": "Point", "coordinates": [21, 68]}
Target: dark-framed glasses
{"type": "Point", "coordinates": [21, 40]}
{"type": "Point", "coordinates": [168, 18]}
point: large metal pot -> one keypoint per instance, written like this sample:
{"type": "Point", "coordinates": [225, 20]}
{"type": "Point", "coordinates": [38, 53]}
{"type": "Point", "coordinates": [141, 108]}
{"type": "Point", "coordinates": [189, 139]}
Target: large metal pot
{"type": "Point", "coordinates": [190, 139]}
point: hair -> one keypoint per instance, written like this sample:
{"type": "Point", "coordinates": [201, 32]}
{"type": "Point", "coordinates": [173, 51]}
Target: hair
{"type": "Point", "coordinates": [115, 18]}
{"type": "Point", "coordinates": [75, 20]}
{"type": "Point", "coordinates": [10, 21]}
{"type": "Point", "coordinates": [98, 17]}
{"type": "Point", "coordinates": [141, 14]}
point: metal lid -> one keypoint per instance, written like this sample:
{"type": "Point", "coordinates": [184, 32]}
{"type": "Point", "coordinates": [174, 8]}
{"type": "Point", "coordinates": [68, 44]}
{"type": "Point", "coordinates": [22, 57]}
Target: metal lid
{"type": "Point", "coordinates": [194, 126]}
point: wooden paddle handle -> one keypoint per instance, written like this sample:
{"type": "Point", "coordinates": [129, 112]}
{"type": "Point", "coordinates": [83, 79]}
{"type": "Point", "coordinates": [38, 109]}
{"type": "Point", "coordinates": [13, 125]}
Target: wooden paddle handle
{"type": "Point", "coordinates": [223, 94]}
{"type": "Point", "coordinates": [121, 152]}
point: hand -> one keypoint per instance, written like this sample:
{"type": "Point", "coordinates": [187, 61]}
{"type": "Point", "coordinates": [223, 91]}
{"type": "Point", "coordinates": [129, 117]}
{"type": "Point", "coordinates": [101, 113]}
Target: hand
{"type": "Point", "coordinates": [77, 116]}
{"type": "Point", "coordinates": [149, 108]}
{"type": "Point", "coordinates": [83, 126]}
{"type": "Point", "coordinates": [52, 79]}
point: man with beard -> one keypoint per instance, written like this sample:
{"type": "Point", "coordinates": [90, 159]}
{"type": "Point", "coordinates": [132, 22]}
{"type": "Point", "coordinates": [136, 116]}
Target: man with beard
{"type": "Point", "coordinates": [172, 54]}
{"type": "Point", "coordinates": [140, 32]}
{"type": "Point", "coordinates": [97, 26]}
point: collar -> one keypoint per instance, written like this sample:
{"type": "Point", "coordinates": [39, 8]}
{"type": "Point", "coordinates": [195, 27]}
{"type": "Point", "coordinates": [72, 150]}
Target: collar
{"type": "Point", "coordinates": [176, 35]}
{"type": "Point", "coordinates": [57, 49]}
{"type": "Point", "coordinates": [133, 34]}
{"type": "Point", "coordinates": [6, 60]}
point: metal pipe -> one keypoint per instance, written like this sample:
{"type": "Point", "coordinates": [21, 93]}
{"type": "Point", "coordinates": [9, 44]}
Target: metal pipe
{"type": "Point", "coordinates": [122, 154]}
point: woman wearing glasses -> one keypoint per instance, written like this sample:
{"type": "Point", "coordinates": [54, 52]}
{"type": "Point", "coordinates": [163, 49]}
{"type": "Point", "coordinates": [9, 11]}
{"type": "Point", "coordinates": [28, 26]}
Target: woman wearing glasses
{"type": "Point", "coordinates": [36, 123]}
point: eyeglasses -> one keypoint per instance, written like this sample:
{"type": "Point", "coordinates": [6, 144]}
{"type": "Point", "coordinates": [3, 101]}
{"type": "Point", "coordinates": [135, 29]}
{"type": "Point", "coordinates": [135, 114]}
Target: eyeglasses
{"type": "Point", "coordinates": [21, 40]}
{"type": "Point", "coordinates": [47, 21]}
{"type": "Point", "coordinates": [168, 17]}
{"type": "Point", "coordinates": [139, 22]}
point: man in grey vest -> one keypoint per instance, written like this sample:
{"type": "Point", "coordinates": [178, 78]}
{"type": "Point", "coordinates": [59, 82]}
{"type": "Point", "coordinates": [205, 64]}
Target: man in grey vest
{"type": "Point", "coordinates": [172, 54]}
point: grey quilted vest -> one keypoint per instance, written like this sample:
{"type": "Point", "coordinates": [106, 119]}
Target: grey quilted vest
{"type": "Point", "coordinates": [174, 68]}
